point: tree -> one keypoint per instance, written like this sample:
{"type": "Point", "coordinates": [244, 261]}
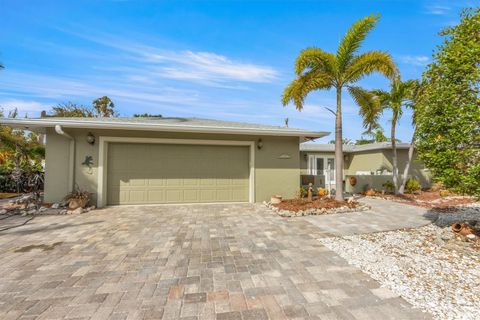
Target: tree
{"type": "Point", "coordinates": [448, 119]}
{"type": "Point", "coordinates": [375, 133]}
{"type": "Point", "coordinates": [319, 70]}
{"type": "Point", "coordinates": [104, 107]}
{"type": "Point", "coordinates": [344, 141]}
{"type": "Point", "coordinates": [71, 109]}
{"type": "Point", "coordinates": [396, 100]}
{"type": "Point", "coordinates": [20, 157]}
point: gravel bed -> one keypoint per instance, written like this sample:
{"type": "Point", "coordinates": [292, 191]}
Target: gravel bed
{"type": "Point", "coordinates": [427, 266]}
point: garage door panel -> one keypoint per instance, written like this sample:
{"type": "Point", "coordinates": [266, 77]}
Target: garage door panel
{"type": "Point", "coordinates": [164, 173]}
{"type": "Point", "coordinates": [156, 195]}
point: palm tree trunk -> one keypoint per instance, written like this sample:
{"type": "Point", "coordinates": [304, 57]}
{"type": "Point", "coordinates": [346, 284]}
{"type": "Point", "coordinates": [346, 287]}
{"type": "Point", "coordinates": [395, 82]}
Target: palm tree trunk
{"type": "Point", "coordinates": [394, 156]}
{"type": "Point", "coordinates": [338, 148]}
{"type": "Point", "coordinates": [401, 190]}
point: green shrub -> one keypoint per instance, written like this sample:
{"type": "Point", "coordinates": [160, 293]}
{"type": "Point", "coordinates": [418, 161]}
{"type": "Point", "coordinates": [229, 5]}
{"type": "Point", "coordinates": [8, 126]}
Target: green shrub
{"type": "Point", "coordinates": [302, 192]}
{"type": "Point", "coordinates": [412, 185]}
{"type": "Point", "coordinates": [388, 186]}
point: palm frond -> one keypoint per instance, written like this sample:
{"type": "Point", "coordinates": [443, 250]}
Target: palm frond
{"type": "Point", "coordinates": [315, 59]}
{"type": "Point", "coordinates": [299, 88]}
{"type": "Point", "coordinates": [370, 106]}
{"type": "Point", "coordinates": [368, 63]}
{"type": "Point", "coordinates": [353, 39]}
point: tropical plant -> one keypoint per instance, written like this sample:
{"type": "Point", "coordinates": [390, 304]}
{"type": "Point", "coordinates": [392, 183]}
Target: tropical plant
{"type": "Point", "coordinates": [388, 186]}
{"type": "Point", "coordinates": [399, 97]}
{"type": "Point", "coordinates": [412, 185]}
{"type": "Point", "coordinates": [345, 141]}
{"type": "Point", "coordinates": [78, 194]}
{"type": "Point", "coordinates": [21, 155]}
{"type": "Point", "coordinates": [320, 70]}
{"type": "Point", "coordinates": [448, 119]}
{"type": "Point", "coordinates": [376, 135]}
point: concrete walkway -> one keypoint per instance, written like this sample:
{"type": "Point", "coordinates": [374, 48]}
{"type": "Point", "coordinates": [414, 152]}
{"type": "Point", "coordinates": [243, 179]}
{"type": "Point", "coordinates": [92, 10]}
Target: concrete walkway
{"type": "Point", "coordinates": [385, 215]}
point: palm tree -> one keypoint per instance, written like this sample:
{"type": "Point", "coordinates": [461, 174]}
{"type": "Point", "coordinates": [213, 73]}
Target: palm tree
{"type": "Point", "coordinates": [399, 97]}
{"type": "Point", "coordinates": [319, 70]}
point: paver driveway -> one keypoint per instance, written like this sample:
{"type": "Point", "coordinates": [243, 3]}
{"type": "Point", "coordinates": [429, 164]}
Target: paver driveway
{"type": "Point", "coordinates": [201, 261]}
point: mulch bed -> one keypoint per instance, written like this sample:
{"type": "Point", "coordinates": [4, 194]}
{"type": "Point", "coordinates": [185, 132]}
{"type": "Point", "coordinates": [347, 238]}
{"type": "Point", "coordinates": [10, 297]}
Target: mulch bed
{"type": "Point", "coordinates": [296, 205]}
{"type": "Point", "coordinates": [430, 199]}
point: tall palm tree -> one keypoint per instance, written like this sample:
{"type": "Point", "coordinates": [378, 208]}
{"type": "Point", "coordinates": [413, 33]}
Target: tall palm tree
{"type": "Point", "coordinates": [399, 97]}
{"type": "Point", "coordinates": [319, 70]}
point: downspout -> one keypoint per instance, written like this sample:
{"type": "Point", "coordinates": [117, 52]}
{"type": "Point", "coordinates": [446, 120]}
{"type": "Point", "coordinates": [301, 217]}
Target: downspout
{"type": "Point", "coordinates": [71, 156]}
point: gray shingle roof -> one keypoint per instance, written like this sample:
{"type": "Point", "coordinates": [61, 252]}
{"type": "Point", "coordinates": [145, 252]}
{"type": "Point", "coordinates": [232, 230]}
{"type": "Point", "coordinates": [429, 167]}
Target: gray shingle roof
{"type": "Point", "coordinates": [163, 124]}
{"type": "Point", "coordinates": [348, 148]}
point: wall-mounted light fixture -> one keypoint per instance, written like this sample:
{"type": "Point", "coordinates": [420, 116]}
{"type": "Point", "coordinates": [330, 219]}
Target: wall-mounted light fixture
{"type": "Point", "coordinates": [259, 144]}
{"type": "Point", "coordinates": [305, 156]}
{"type": "Point", "coordinates": [90, 138]}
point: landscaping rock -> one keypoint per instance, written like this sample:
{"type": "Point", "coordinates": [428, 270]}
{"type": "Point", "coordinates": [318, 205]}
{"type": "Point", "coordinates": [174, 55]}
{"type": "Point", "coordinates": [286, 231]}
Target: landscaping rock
{"type": "Point", "coordinates": [3, 211]}
{"type": "Point", "coordinates": [76, 211]}
{"type": "Point", "coordinates": [440, 277]}
{"type": "Point", "coordinates": [316, 211]}
{"type": "Point", "coordinates": [471, 237]}
{"type": "Point", "coordinates": [55, 206]}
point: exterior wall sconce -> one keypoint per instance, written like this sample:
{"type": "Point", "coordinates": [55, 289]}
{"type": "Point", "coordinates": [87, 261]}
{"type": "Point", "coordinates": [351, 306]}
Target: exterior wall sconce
{"type": "Point", "coordinates": [90, 138]}
{"type": "Point", "coordinates": [305, 156]}
{"type": "Point", "coordinates": [259, 144]}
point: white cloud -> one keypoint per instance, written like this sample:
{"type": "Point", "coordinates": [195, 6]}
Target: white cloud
{"type": "Point", "coordinates": [206, 68]}
{"type": "Point", "coordinates": [438, 9]}
{"type": "Point", "coordinates": [24, 107]}
{"type": "Point", "coordinates": [189, 65]}
{"type": "Point", "coordinates": [418, 61]}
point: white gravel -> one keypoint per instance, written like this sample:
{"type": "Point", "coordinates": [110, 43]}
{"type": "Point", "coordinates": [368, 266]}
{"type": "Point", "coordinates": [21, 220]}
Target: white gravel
{"type": "Point", "coordinates": [426, 266]}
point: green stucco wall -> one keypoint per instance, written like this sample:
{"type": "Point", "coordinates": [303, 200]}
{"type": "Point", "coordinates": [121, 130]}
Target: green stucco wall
{"type": "Point", "coordinates": [273, 175]}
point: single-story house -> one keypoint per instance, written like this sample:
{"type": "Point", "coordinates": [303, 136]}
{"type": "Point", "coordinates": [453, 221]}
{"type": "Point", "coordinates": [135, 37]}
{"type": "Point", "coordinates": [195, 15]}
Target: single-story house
{"type": "Point", "coordinates": [168, 160]}
{"type": "Point", "coordinates": [371, 164]}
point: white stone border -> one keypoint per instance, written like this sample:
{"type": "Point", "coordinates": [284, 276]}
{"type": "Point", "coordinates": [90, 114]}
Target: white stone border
{"type": "Point", "coordinates": [317, 212]}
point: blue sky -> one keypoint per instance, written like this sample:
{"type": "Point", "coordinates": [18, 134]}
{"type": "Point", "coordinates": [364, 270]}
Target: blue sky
{"type": "Point", "coordinates": [225, 60]}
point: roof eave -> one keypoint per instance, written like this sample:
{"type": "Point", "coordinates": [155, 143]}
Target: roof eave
{"type": "Point", "coordinates": [32, 124]}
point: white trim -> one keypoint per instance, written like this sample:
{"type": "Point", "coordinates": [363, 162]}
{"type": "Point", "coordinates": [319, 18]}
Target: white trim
{"type": "Point", "coordinates": [103, 156]}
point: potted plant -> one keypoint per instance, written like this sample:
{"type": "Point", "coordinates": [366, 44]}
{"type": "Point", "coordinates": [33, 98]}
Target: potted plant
{"type": "Point", "coordinates": [78, 198]}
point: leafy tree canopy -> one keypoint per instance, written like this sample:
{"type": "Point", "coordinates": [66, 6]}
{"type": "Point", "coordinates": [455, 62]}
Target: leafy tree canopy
{"type": "Point", "coordinates": [448, 119]}
{"type": "Point", "coordinates": [71, 109]}
{"type": "Point", "coordinates": [104, 107]}
{"type": "Point", "coordinates": [101, 107]}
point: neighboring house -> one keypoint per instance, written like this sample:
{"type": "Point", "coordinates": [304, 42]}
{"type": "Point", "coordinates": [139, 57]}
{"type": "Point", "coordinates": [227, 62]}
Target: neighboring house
{"type": "Point", "coordinates": [370, 163]}
{"type": "Point", "coordinates": [168, 160]}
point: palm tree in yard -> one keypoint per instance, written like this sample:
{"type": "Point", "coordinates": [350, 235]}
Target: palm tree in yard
{"type": "Point", "coordinates": [319, 70]}
{"type": "Point", "coordinates": [400, 96]}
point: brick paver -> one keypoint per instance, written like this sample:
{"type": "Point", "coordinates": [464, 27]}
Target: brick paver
{"type": "Point", "coordinates": [384, 215]}
{"type": "Point", "coordinates": [183, 262]}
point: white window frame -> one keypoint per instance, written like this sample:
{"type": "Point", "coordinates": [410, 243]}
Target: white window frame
{"type": "Point", "coordinates": [103, 156]}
